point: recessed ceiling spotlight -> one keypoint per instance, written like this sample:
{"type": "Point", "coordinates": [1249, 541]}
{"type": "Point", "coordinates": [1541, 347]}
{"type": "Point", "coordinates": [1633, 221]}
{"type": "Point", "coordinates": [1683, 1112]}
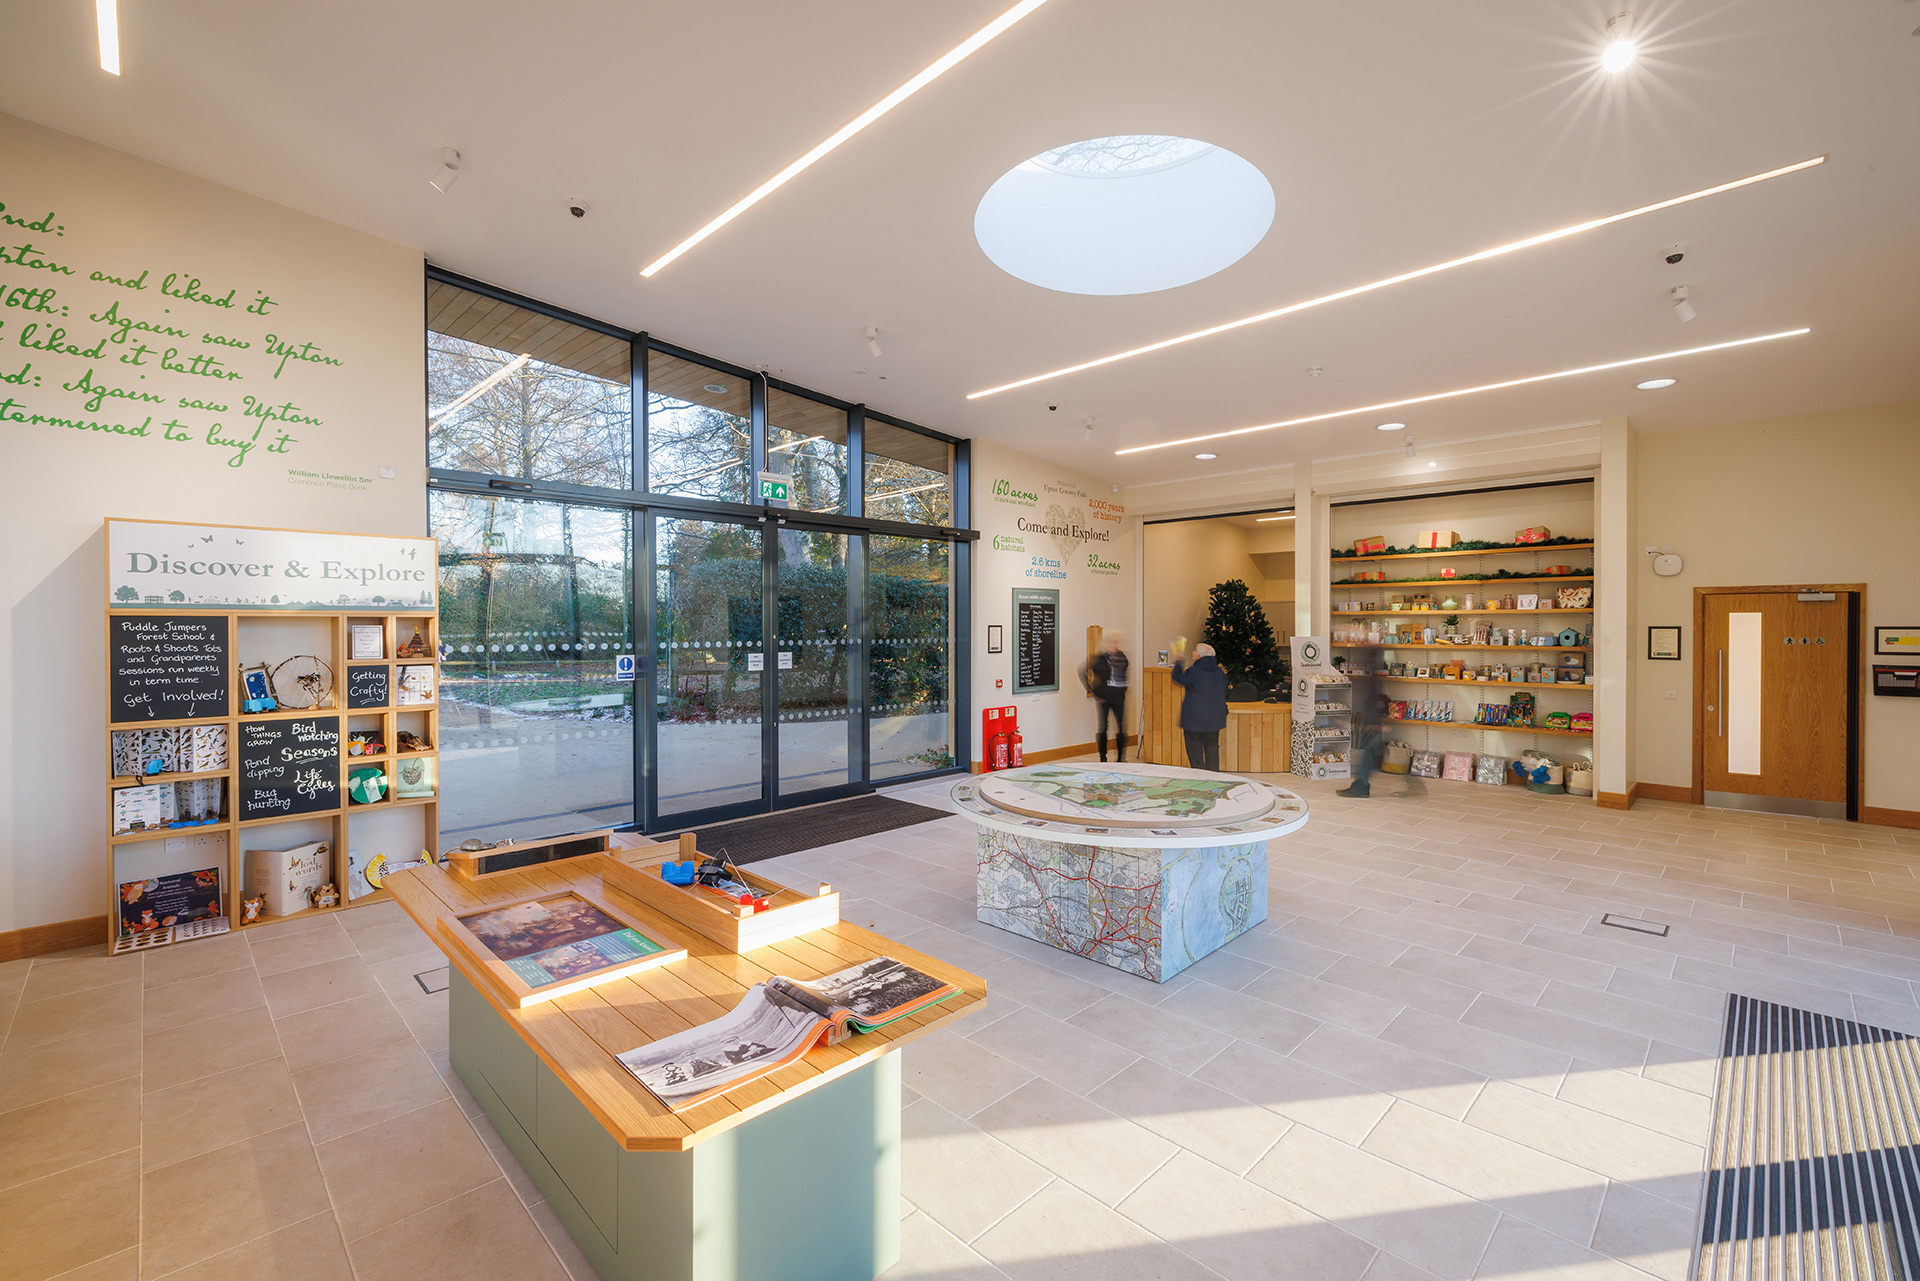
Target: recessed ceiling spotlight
{"type": "Point", "coordinates": [1432, 464]}
{"type": "Point", "coordinates": [1471, 391]}
{"type": "Point", "coordinates": [1621, 50]}
{"type": "Point", "coordinates": [1655, 384]}
{"type": "Point", "coordinates": [1391, 427]}
{"type": "Point", "coordinates": [939, 67]}
{"type": "Point", "coordinates": [1545, 237]}
{"type": "Point", "coordinates": [1206, 457]}
{"type": "Point", "coordinates": [715, 388]}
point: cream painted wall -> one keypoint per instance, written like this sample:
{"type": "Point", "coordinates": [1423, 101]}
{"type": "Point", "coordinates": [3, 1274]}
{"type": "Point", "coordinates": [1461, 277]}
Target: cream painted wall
{"type": "Point", "coordinates": [324, 431]}
{"type": "Point", "coordinates": [1095, 576]}
{"type": "Point", "coordinates": [1184, 559]}
{"type": "Point", "coordinates": [1567, 510]}
{"type": "Point", "coordinates": [1829, 498]}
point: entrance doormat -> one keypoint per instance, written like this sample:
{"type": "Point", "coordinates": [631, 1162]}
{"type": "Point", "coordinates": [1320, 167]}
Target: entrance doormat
{"type": "Point", "coordinates": [1813, 1170]}
{"type": "Point", "coordinates": [748, 840]}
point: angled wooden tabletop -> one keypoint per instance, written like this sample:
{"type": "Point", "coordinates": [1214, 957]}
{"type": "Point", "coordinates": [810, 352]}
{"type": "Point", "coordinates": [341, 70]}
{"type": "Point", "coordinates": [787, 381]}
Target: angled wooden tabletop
{"type": "Point", "coordinates": [578, 1035]}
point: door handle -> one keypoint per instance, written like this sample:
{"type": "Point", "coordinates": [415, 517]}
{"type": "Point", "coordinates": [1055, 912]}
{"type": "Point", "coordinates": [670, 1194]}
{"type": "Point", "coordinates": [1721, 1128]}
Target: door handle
{"type": "Point", "coordinates": [1720, 690]}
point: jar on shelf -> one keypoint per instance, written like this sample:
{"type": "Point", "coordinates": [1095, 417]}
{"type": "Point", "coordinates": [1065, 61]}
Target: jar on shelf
{"type": "Point", "coordinates": [1506, 602]}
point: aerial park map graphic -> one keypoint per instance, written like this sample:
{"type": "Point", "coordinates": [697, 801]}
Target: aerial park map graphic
{"type": "Point", "coordinates": [1118, 798]}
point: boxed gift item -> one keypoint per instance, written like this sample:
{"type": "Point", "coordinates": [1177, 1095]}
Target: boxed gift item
{"type": "Point", "coordinates": [1490, 770]}
{"type": "Point", "coordinates": [1533, 534]}
{"type": "Point", "coordinates": [1435, 538]}
{"type": "Point", "coordinates": [1370, 546]}
{"type": "Point", "coordinates": [1573, 597]}
{"type": "Point", "coordinates": [283, 877]}
{"type": "Point", "coordinates": [1371, 576]}
{"type": "Point", "coordinates": [1457, 766]}
{"type": "Point", "coordinates": [1425, 765]}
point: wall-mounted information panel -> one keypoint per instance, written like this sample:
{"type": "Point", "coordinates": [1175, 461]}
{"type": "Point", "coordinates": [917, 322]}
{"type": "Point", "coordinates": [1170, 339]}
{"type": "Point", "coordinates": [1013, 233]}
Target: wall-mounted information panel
{"type": "Point", "coordinates": [1036, 632]}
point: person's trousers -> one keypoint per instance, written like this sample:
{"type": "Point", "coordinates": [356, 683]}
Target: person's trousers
{"type": "Point", "coordinates": [1112, 704]}
{"type": "Point", "coordinates": [1203, 750]}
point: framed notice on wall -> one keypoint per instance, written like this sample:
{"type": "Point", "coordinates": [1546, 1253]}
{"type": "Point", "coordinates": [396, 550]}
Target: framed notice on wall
{"type": "Point", "coordinates": [1036, 640]}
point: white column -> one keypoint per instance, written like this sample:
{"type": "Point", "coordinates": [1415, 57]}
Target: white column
{"type": "Point", "coordinates": [1311, 569]}
{"type": "Point", "coordinates": [1616, 615]}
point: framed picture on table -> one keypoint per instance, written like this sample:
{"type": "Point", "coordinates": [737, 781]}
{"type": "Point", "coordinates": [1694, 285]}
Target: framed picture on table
{"type": "Point", "coordinates": [539, 948]}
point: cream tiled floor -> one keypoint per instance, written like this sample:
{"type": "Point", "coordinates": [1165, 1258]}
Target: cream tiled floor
{"type": "Point", "coordinates": [1431, 1060]}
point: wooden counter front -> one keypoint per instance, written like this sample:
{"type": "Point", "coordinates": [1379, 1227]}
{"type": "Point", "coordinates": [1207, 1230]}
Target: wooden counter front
{"type": "Point", "coordinates": [577, 1036]}
{"type": "Point", "coordinates": [1257, 739]}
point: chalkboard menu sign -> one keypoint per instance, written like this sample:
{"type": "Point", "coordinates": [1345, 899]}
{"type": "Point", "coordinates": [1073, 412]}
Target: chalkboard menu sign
{"type": "Point", "coordinates": [166, 667]}
{"type": "Point", "coordinates": [367, 686]}
{"type": "Point", "coordinates": [289, 766]}
{"type": "Point", "coordinates": [1036, 649]}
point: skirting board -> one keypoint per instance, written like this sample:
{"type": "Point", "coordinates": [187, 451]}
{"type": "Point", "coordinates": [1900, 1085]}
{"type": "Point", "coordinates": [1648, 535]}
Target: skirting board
{"type": "Point", "coordinates": [1664, 792]}
{"type": "Point", "coordinates": [1668, 792]}
{"type": "Point", "coordinates": [1059, 753]}
{"type": "Point", "coordinates": [1889, 818]}
{"type": "Point", "coordinates": [59, 936]}
{"type": "Point", "coordinates": [1617, 800]}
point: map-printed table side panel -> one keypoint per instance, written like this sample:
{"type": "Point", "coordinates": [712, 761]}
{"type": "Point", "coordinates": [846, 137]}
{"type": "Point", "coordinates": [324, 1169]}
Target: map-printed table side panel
{"type": "Point", "coordinates": [1148, 912]}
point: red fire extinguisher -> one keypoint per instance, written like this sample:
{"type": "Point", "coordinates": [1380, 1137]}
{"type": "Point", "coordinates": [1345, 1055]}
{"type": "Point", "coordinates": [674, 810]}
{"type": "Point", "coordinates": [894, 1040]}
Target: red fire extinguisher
{"type": "Point", "coordinates": [997, 752]}
{"type": "Point", "coordinates": [1019, 758]}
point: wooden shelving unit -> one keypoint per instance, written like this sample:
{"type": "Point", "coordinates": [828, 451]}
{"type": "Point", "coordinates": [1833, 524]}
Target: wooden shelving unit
{"type": "Point", "coordinates": [1497, 729]}
{"type": "Point", "coordinates": [1431, 613]}
{"type": "Point", "coordinates": [1469, 582]}
{"type": "Point", "coordinates": [1534, 549]}
{"type": "Point", "coordinates": [130, 855]}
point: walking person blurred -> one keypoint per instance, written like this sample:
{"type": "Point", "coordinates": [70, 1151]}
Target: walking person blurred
{"type": "Point", "coordinates": [1203, 713]}
{"type": "Point", "coordinates": [1369, 738]}
{"type": "Point", "coordinates": [1105, 677]}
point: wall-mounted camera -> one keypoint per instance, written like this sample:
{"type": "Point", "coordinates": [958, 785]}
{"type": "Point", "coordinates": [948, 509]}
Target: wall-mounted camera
{"type": "Point", "coordinates": [1674, 253]}
{"type": "Point", "coordinates": [578, 208]}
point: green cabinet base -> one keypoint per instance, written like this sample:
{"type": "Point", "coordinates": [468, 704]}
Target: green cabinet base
{"type": "Point", "coordinates": [807, 1192]}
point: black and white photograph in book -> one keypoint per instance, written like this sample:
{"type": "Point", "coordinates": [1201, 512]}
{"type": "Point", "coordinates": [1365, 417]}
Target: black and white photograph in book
{"type": "Point", "coordinates": [873, 988]}
{"type": "Point", "coordinates": [767, 1030]}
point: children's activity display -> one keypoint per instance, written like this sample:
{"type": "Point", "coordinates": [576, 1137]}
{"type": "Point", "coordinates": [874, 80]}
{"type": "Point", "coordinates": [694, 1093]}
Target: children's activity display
{"type": "Point", "coordinates": [266, 688]}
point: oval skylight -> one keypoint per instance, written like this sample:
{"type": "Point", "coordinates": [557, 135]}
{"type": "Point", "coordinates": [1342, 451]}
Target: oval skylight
{"type": "Point", "coordinates": [1129, 214]}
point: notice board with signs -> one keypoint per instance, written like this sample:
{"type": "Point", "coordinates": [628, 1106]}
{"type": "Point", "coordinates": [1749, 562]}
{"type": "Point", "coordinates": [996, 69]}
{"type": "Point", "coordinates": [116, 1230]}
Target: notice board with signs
{"type": "Point", "coordinates": [338, 761]}
{"type": "Point", "coordinates": [1036, 640]}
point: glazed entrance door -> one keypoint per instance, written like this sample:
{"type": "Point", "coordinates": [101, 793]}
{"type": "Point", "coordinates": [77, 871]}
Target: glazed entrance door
{"type": "Point", "coordinates": [1777, 702]}
{"type": "Point", "coordinates": [815, 669]}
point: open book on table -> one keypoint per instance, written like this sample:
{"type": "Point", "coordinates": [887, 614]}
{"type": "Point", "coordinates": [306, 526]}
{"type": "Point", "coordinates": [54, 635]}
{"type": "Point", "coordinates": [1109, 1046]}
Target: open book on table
{"type": "Point", "coordinates": [776, 1023]}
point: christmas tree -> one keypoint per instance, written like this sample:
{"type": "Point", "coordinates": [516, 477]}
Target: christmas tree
{"type": "Point", "coordinates": [1241, 636]}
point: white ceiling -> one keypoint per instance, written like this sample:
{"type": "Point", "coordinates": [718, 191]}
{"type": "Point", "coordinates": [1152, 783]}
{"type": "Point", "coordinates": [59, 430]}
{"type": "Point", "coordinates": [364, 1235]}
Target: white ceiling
{"type": "Point", "coordinates": [1395, 133]}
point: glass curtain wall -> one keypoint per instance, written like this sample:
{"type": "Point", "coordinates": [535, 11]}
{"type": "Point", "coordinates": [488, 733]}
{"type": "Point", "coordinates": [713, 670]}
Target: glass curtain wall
{"type": "Point", "coordinates": [631, 633]}
{"type": "Point", "coordinates": [910, 656]}
{"type": "Point", "coordinates": [536, 731]}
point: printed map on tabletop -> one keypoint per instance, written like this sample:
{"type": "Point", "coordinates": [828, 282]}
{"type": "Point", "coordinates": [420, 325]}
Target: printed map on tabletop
{"type": "Point", "coordinates": [1122, 796]}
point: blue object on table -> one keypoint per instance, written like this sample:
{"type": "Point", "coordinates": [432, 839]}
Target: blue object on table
{"type": "Point", "coordinates": [677, 873]}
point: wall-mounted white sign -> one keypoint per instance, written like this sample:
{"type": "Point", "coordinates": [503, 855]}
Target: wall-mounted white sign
{"type": "Point", "coordinates": [179, 566]}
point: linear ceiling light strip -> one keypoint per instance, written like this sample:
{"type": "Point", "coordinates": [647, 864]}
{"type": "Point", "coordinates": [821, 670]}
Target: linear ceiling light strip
{"type": "Point", "coordinates": [951, 59]}
{"type": "Point", "coordinates": [1402, 278]}
{"type": "Point", "coordinates": [1467, 391]}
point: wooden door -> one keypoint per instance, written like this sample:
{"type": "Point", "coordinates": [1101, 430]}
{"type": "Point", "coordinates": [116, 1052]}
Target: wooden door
{"type": "Point", "coordinates": [1775, 700]}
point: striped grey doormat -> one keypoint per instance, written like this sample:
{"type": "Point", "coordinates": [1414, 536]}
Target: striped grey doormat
{"type": "Point", "coordinates": [1812, 1168]}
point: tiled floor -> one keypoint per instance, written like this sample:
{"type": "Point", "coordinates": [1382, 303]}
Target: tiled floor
{"type": "Point", "coordinates": [1432, 1059]}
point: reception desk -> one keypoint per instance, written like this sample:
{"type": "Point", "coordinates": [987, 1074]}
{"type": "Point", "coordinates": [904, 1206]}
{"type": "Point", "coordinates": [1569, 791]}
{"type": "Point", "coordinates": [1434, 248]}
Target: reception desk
{"type": "Point", "coordinates": [794, 1177]}
{"type": "Point", "coordinates": [1255, 741]}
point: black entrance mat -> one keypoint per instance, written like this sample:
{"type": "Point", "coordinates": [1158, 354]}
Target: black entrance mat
{"type": "Point", "coordinates": [749, 840]}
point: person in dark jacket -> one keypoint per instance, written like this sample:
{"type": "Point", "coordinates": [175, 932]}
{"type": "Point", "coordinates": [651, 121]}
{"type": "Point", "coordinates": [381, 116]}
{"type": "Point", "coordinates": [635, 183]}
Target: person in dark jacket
{"type": "Point", "coordinates": [1105, 677]}
{"type": "Point", "coordinates": [1203, 714]}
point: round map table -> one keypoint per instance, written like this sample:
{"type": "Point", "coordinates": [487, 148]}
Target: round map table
{"type": "Point", "coordinates": [1146, 868]}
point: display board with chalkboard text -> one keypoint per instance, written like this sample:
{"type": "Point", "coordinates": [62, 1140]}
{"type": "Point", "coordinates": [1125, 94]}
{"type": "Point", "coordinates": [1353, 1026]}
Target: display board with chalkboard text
{"type": "Point", "coordinates": [368, 686]}
{"type": "Point", "coordinates": [288, 766]}
{"type": "Point", "coordinates": [167, 667]}
{"type": "Point", "coordinates": [1036, 647]}
{"type": "Point", "coordinates": [187, 607]}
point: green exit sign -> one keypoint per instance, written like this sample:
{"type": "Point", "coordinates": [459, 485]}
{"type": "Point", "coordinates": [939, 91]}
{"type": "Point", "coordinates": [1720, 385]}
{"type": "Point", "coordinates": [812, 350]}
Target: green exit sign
{"type": "Point", "coordinates": [773, 488]}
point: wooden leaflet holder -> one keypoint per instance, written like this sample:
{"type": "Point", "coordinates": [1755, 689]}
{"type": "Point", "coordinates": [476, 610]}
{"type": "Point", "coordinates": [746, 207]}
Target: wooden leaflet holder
{"type": "Point", "coordinates": [732, 925]}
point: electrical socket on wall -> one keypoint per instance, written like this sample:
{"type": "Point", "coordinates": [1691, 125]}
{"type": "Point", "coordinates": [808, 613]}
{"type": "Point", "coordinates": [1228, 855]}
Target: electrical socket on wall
{"type": "Point", "coordinates": [387, 473]}
{"type": "Point", "coordinates": [1673, 693]}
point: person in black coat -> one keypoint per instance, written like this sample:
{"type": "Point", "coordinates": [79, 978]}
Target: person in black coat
{"type": "Point", "coordinates": [1203, 714]}
{"type": "Point", "coordinates": [1105, 677]}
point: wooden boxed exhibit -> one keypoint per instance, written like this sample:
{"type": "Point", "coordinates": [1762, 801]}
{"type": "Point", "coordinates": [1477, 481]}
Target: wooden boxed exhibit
{"type": "Point", "coordinates": [735, 926]}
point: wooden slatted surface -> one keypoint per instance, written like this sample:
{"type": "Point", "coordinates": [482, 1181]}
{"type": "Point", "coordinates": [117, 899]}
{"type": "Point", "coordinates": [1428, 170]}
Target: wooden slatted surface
{"type": "Point", "coordinates": [578, 1036]}
{"type": "Point", "coordinates": [463, 314]}
{"type": "Point", "coordinates": [1257, 739]}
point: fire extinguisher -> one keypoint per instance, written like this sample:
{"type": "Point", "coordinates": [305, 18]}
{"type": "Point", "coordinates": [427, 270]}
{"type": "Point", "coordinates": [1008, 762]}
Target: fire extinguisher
{"type": "Point", "coordinates": [1019, 758]}
{"type": "Point", "coordinates": [997, 752]}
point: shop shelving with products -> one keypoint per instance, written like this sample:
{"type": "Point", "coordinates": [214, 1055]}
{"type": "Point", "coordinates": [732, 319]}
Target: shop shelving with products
{"type": "Point", "coordinates": [1362, 634]}
{"type": "Point", "coordinates": [177, 840]}
{"type": "Point", "coordinates": [1322, 724]}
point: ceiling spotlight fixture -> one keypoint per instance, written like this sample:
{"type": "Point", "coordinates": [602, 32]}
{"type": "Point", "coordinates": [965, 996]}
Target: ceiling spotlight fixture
{"type": "Point", "coordinates": [1541, 239]}
{"type": "Point", "coordinates": [717, 389]}
{"type": "Point", "coordinates": [1088, 433]}
{"type": "Point", "coordinates": [1206, 458]}
{"type": "Point", "coordinates": [1410, 451]}
{"type": "Point", "coordinates": [1621, 50]}
{"type": "Point", "coordinates": [107, 14]}
{"type": "Point", "coordinates": [1472, 391]}
{"type": "Point", "coordinates": [1681, 307]}
{"type": "Point", "coordinates": [1655, 384]}
{"type": "Point", "coordinates": [873, 340]}
{"type": "Point", "coordinates": [1431, 463]}
{"type": "Point", "coordinates": [446, 172]}
{"type": "Point", "coordinates": [938, 68]}
{"type": "Point", "coordinates": [1391, 427]}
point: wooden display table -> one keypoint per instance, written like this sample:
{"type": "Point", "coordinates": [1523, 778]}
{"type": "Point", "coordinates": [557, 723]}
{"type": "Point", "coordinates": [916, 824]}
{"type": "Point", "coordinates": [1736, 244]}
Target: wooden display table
{"type": "Point", "coordinates": [1257, 739]}
{"type": "Point", "coordinates": [793, 1176]}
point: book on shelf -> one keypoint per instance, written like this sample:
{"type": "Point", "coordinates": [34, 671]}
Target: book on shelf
{"type": "Point", "coordinates": [775, 1024]}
